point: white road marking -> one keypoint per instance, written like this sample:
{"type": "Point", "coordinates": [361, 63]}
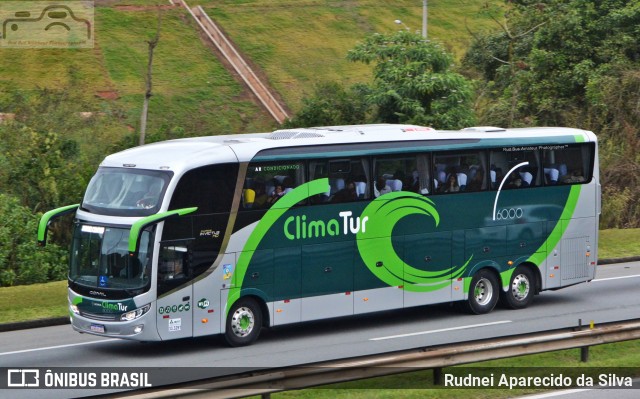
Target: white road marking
{"type": "Point", "coordinates": [441, 330]}
{"type": "Point", "coordinates": [556, 393]}
{"type": "Point", "coordinates": [614, 278]}
{"type": "Point", "coordinates": [58, 347]}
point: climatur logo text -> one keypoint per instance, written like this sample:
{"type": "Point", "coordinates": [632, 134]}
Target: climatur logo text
{"type": "Point", "coordinates": [114, 307]}
{"type": "Point", "coordinates": [296, 228]}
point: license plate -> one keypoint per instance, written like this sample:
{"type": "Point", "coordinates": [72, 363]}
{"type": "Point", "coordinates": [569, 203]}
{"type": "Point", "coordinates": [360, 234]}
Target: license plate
{"type": "Point", "coordinates": [97, 328]}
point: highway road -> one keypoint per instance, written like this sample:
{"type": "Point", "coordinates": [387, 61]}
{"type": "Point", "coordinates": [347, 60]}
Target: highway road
{"type": "Point", "coordinates": [613, 296]}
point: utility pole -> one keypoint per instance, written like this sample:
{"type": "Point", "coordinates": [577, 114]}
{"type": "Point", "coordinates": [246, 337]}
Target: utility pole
{"type": "Point", "coordinates": [424, 19]}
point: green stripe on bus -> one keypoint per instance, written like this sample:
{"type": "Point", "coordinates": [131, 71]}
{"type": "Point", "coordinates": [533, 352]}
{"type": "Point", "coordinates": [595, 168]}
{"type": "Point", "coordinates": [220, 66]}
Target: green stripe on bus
{"type": "Point", "coordinates": [558, 230]}
{"type": "Point", "coordinates": [298, 194]}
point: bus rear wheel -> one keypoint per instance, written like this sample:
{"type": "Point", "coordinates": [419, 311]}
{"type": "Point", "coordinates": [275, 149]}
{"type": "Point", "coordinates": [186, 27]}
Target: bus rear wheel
{"type": "Point", "coordinates": [521, 289]}
{"type": "Point", "coordinates": [483, 293]}
{"type": "Point", "coordinates": [243, 323]}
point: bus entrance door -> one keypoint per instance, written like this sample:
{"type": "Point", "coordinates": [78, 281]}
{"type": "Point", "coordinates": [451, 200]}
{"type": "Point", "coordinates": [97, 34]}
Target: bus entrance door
{"type": "Point", "coordinates": [175, 314]}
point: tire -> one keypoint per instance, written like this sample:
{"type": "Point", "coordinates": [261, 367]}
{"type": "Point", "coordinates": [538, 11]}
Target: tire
{"type": "Point", "coordinates": [484, 293]}
{"type": "Point", "coordinates": [522, 288]}
{"type": "Point", "coordinates": [244, 323]}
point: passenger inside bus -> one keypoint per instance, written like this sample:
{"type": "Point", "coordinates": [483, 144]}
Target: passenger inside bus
{"type": "Point", "coordinates": [477, 182]}
{"type": "Point", "coordinates": [514, 181]}
{"type": "Point", "coordinates": [347, 194]}
{"type": "Point", "coordinates": [381, 187]}
{"type": "Point", "coordinates": [452, 185]}
{"type": "Point", "coordinates": [278, 192]}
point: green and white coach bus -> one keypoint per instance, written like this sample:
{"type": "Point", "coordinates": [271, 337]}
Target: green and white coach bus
{"type": "Point", "coordinates": [229, 234]}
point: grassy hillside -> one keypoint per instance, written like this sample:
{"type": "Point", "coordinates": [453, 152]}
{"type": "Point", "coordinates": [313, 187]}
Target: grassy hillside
{"type": "Point", "coordinates": [301, 42]}
{"type": "Point", "coordinates": [295, 42]}
{"type": "Point", "coordinates": [192, 90]}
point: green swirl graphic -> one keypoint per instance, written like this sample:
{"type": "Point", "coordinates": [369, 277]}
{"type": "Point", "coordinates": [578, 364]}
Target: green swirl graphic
{"type": "Point", "coordinates": [376, 248]}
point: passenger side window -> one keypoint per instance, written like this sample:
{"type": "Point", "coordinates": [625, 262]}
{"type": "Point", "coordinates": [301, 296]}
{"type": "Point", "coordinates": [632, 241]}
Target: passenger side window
{"type": "Point", "coordinates": [348, 179]}
{"type": "Point", "coordinates": [266, 183]}
{"type": "Point", "coordinates": [460, 171]}
{"type": "Point", "coordinates": [514, 168]}
{"type": "Point", "coordinates": [567, 164]}
{"type": "Point", "coordinates": [401, 173]}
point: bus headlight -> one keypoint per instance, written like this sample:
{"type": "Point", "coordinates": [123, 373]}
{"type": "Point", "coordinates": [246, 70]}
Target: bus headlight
{"type": "Point", "coordinates": [134, 314]}
{"type": "Point", "coordinates": [74, 309]}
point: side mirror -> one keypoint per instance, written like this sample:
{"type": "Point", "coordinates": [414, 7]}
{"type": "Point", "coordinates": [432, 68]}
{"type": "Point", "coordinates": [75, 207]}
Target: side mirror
{"type": "Point", "coordinates": [140, 225]}
{"type": "Point", "coordinates": [48, 217]}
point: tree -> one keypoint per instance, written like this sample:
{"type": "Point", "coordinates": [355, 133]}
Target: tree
{"type": "Point", "coordinates": [413, 81]}
{"type": "Point", "coordinates": [577, 67]}
{"type": "Point", "coordinates": [331, 105]}
{"type": "Point", "coordinates": [562, 46]}
{"type": "Point", "coordinates": [20, 262]}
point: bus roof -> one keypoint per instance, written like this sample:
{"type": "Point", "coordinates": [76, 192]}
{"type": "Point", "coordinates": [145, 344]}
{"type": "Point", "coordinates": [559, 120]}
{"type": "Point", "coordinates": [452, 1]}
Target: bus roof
{"type": "Point", "coordinates": [188, 153]}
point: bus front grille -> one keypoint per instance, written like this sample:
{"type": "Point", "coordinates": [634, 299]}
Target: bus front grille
{"type": "Point", "coordinates": [102, 317]}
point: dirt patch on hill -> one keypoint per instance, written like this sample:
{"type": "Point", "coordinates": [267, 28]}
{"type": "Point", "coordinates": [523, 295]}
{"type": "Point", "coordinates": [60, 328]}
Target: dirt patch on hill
{"type": "Point", "coordinates": [108, 94]}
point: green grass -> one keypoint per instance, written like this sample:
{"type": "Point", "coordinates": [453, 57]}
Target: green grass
{"type": "Point", "coordinates": [619, 243]}
{"type": "Point", "coordinates": [192, 90]}
{"type": "Point", "coordinates": [31, 302]}
{"type": "Point", "coordinates": [298, 43]}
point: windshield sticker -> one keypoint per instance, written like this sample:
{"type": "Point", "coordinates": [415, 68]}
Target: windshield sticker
{"type": "Point", "coordinates": [92, 229]}
{"type": "Point", "coordinates": [103, 281]}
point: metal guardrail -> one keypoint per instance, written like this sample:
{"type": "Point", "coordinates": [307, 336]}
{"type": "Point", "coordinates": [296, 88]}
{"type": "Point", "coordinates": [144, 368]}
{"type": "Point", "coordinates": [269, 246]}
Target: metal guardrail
{"type": "Point", "coordinates": [297, 377]}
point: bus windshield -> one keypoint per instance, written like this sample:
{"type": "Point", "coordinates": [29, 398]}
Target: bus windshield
{"type": "Point", "coordinates": [125, 192]}
{"type": "Point", "coordinates": [100, 258]}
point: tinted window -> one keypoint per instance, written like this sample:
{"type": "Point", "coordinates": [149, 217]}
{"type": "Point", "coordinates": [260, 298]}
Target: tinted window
{"type": "Point", "coordinates": [348, 179]}
{"type": "Point", "coordinates": [210, 188]}
{"type": "Point", "coordinates": [460, 171]}
{"type": "Point", "coordinates": [402, 173]}
{"type": "Point", "coordinates": [266, 183]}
{"type": "Point", "coordinates": [567, 164]}
{"type": "Point", "coordinates": [517, 167]}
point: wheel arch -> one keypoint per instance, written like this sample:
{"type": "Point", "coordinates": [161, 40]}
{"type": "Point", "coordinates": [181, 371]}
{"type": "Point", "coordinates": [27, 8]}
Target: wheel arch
{"type": "Point", "coordinates": [489, 265]}
{"type": "Point", "coordinates": [261, 299]}
{"type": "Point", "coordinates": [537, 274]}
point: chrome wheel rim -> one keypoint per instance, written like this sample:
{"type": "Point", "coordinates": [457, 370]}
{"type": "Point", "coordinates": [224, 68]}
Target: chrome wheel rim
{"type": "Point", "coordinates": [483, 292]}
{"type": "Point", "coordinates": [520, 287]}
{"type": "Point", "coordinates": [242, 322]}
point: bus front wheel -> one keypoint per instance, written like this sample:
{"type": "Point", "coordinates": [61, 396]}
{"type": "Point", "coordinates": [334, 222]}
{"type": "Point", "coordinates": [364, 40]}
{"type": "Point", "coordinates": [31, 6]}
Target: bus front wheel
{"type": "Point", "coordinates": [483, 293]}
{"type": "Point", "coordinates": [243, 323]}
{"type": "Point", "coordinates": [521, 289]}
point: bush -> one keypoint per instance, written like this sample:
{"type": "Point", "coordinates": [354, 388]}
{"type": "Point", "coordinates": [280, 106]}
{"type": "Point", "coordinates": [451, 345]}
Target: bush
{"type": "Point", "coordinates": [20, 261]}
